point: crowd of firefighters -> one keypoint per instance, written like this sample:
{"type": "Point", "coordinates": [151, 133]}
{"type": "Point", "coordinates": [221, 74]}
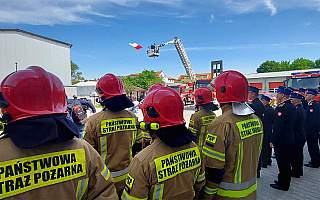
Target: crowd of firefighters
{"type": "Point", "coordinates": [212, 158]}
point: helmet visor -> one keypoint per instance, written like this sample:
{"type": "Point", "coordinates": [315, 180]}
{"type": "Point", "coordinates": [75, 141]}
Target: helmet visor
{"type": "Point", "coordinates": [3, 102]}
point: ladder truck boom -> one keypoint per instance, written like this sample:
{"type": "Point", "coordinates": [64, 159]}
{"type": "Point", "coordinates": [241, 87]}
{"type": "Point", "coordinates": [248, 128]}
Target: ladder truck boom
{"type": "Point", "coordinates": [153, 51]}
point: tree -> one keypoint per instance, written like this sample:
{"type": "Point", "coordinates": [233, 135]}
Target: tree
{"type": "Point", "coordinates": [146, 79]}
{"type": "Point", "coordinates": [284, 66]}
{"type": "Point", "coordinates": [297, 64]}
{"type": "Point", "coordinates": [269, 66]}
{"type": "Point", "coordinates": [302, 63]}
{"type": "Point", "coordinates": [127, 83]}
{"type": "Point", "coordinates": [317, 63]}
{"type": "Point", "coordinates": [75, 74]}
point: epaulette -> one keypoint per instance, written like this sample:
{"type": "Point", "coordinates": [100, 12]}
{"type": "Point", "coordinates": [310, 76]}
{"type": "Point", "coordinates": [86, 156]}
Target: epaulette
{"type": "Point", "coordinates": [281, 104]}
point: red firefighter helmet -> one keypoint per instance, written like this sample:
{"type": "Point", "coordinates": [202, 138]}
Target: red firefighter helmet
{"type": "Point", "coordinates": [231, 86]}
{"type": "Point", "coordinates": [203, 95]}
{"type": "Point", "coordinates": [110, 86]}
{"type": "Point", "coordinates": [32, 92]}
{"type": "Point", "coordinates": [164, 106]}
{"type": "Point", "coordinates": [154, 87]}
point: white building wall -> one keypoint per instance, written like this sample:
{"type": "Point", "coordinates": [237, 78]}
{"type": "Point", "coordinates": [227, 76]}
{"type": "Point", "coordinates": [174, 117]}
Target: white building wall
{"type": "Point", "coordinates": [28, 50]}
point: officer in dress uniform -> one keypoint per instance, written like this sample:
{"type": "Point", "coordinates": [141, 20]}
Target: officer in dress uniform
{"type": "Point", "coordinates": [233, 142]}
{"type": "Point", "coordinates": [302, 92]}
{"type": "Point", "coordinates": [41, 156]}
{"type": "Point", "coordinates": [171, 167]}
{"type": "Point", "coordinates": [258, 108]}
{"type": "Point", "coordinates": [282, 138]}
{"type": "Point", "coordinates": [299, 136]}
{"type": "Point", "coordinates": [255, 103]}
{"type": "Point", "coordinates": [267, 120]}
{"type": "Point", "coordinates": [203, 115]}
{"type": "Point", "coordinates": [312, 127]}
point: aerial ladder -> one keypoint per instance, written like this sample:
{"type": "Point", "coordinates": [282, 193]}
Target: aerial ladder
{"type": "Point", "coordinates": [153, 51]}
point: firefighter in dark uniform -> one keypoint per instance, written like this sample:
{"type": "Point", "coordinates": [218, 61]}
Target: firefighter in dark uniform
{"type": "Point", "coordinates": [282, 138]}
{"type": "Point", "coordinates": [267, 120]}
{"type": "Point", "coordinates": [312, 127]}
{"type": "Point", "coordinates": [258, 108]}
{"type": "Point", "coordinates": [302, 92]}
{"type": "Point", "coordinates": [299, 136]}
{"type": "Point", "coordinates": [233, 142]}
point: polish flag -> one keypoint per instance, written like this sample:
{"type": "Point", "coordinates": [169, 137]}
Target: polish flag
{"type": "Point", "coordinates": [135, 45]}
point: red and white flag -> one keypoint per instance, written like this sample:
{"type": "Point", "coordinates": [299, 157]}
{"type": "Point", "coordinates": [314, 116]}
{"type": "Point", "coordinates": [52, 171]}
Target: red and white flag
{"type": "Point", "coordinates": [135, 45]}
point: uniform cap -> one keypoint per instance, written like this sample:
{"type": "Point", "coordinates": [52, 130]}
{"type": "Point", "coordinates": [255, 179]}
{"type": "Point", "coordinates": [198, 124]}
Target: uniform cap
{"type": "Point", "coordinates": [284, 90]}
{"type": "Point", "coordinates": [296, 95]}
{"type": "Point", "coordinates": [253, 89]}
{"type": "Point", "coordinates": [264, 97]}
{"type": "Point", "coordinates": [302, 90]}
{"type": "Point", "coordinates": [312, 91]}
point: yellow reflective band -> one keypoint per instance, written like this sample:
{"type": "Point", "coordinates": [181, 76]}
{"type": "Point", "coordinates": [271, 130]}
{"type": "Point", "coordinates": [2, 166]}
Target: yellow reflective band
{"type": "Point", "coordinates": [126, 196]}
{"type": "Point", "coordinates": [84, 133]}
{"type": "Point", "coordinates": [201, 177]}
{"type": "Point", "coordinates": [206, 120]}
{"type": "Point", "coordinates": [249, 128]}
{"type": "Point", "coordinates": [105, 173]}
{"type": "Point", "coordinates": [211, 138]}
{"type": "Point", "coordinates": [158, 192]}
{"type": "Point", "coordinates": [143, 135]}
{"type": "Point", "coordinates": [134, 133]}
{"type": "Point", "coordinates": [116, 125]}
{"type": "Point", "coordinates": [210, 190]}
{"type": "Point", "coordinates": [237, 177]}
{"type": "Point", "coordinates": [193, 130]}
{"type": "Point", "coordinates": [82, 187]}
{"type": "Point", "coordinates": [213, 154]}
{"type": "Point", "coordinates": [260, 147]}
{"type": "Point", "coordinates": [237, 193]}
{"type": "Point", "coordinates": [103, 146]}
{"type": "Point", "coordinates": [29, 173]}
{"type": "Point", "coordinates": [196, 175]}
{"type": "Point", "coordinates": [170, 165]}
{"type": "Point", "coordinates": [129, 181]}
{"type": "Point", "coordinates": [120, 175]}
{"type": "Point", "coordinates": [146, 135]}
{"type": "Point", "coordinates": [191, 122]}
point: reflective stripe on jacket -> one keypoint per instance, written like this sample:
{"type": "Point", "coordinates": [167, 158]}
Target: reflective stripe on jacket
{"type": "Point", "coordinates": [233, 143]}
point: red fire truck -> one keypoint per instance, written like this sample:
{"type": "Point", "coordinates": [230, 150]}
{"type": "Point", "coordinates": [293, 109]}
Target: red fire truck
{"type": "Point", "coordinates": [307, 80]}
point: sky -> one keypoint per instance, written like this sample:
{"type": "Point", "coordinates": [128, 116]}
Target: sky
{"type": "Point", "coordinates": [241, 33]}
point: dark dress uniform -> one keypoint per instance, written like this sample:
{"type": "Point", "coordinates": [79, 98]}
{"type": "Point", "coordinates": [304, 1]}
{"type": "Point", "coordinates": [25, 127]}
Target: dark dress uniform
{"type": "Point", "coordinates": [283, 140]}
{"type": "Point", "coordinates": [304, 103]}
{"type": "Point", "coordinates": [267, 120]}
{"type": "Point", "coordinates": [258, 108]}
{"type": "Point", "coordinates": [300, 139]}
{"type": "Point", "coordinates": [312, 127]}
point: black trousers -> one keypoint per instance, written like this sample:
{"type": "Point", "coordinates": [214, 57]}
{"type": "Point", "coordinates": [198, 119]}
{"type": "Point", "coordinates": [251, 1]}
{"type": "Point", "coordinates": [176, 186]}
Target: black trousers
{"type": "Point", "coordinates": [297, 160]}
{"type": "Point", "coordinates": [284, 156]}
{"type": "Point", "coordinates": [266, 150]}
{"type": "Point", "coordinates": [313, 148]}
